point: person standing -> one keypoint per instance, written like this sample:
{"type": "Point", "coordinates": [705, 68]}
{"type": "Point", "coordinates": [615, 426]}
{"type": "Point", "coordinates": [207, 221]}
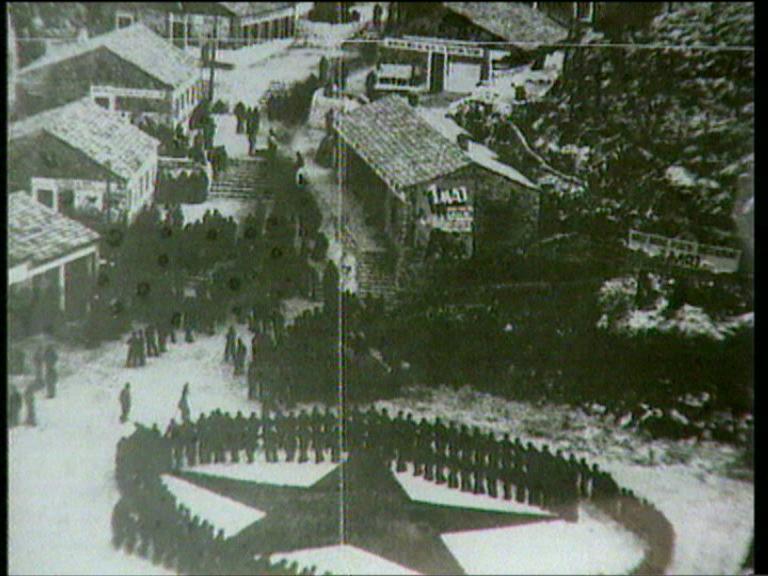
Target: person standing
{"type": "Point", "coordinates": [229, 348]}
{"type": "Point", "coordinates": [162, 339]}
{"type": "Point", "coordinates": [14, 407]}
{"type": "Point", "coordinates": [240, 112]}
{"type": "Point", "coordinates": [184, 403]}
{"type": "Point", "coordinates": [253, 382]}
{"type": "Point", "coordinates": [29, 400]}
{"type": "Point", "coordinates": [51, 376]}
{"type": "Point", "coordinates": [131, 361]}
{"type": "Point", "coordinates": [125, 402]}
{"type": "Point", "coordinates": [39, 360]}
{"type": "Point", "coordinates": [240, 354]}
{"type": "Point", "coordinates": [140, 350]}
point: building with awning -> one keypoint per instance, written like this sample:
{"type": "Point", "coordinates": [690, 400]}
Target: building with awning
{"type": "Point", "coordinates": [462, 42]}
{"type": "Point", "coordinates": [132, 71]}
{"type": "Point", "coordinates": [52, 264]}
{"type": "Point", "coordinates": [226, 24]}
{"type": "Point", "coordinates": [412, 180]}
{"type": "Point", "coordinates": [83, 160]}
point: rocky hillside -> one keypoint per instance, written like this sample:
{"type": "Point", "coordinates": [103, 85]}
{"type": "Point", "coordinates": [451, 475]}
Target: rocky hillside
{"type": "Point", "coordinates": [54, 22]}
{"type": "Point", "coordinates": [661, 132]}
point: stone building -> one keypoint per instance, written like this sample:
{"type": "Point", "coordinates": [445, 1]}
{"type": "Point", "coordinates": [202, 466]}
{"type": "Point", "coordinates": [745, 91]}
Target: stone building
{"type": "Point", "coordinates": [83, 160]}
{"type": "Point", "coordinates": [132, 71]}
{"type": "Point", "coordinates": [412, 181]}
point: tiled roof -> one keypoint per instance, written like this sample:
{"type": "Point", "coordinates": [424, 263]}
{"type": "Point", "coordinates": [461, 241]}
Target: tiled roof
{"type": "Point", "coordinates": [515, 22]}
{"type": "Point", "coordinates": [138, 45]}
{"type": "Point", "coordinates": [246, 9]}
{"type": "Point", "coordinates": [399, 145]}
{"type": "Point", "coordinates": [37, 234]}
{"type": "Point", "coordinates": [98, 133]}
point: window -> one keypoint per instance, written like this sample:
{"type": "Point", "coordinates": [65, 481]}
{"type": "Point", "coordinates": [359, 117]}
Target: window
{"type": "Point", "coordinates": [584, 11]}
{"type": "Point", "coordinates": [67, 201]}
{"type": "Point", "coordinates": [45, 197]}
{"type": "Point", "coordinates": [102, 101]}
{"type": "Point", "coordinates": [124, 20]}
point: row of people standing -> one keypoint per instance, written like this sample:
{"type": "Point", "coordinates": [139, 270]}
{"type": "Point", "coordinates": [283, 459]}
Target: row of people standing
{"type": "Point", "coordinates": [219, 438]}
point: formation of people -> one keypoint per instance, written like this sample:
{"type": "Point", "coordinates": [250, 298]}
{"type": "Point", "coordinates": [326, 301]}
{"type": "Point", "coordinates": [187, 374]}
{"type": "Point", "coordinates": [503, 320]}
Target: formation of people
{"type": "Point", "coordinates": [456, 456]}
{"type": "Point", "coordinates": [149, 521]}
{"type": "Point", "coordinates": [46, 378]}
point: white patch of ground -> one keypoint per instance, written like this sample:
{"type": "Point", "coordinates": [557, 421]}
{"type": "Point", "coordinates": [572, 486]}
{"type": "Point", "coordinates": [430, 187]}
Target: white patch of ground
{"type": "Point", "coordinates": [425, 491]}
{"type": "Point", "coordinates": [593, 545]}
{"type": "Point", "coordinates": [221, 512]}
{"type": "Point", "coordinates": [712, 515]}
{"type": "Point", "coordinates": [239, 209]}
{"type": "Point", "coordinates": [343, 559]}
{"type": "Point", "coordinates": [61, 473]}
{"type": "Point", "coordinates": [283, 473]}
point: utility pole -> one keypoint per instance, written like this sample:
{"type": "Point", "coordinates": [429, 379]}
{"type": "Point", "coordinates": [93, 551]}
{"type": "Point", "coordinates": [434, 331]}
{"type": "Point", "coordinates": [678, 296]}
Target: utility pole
{"type": "Point", "coordinates": [108, 192]}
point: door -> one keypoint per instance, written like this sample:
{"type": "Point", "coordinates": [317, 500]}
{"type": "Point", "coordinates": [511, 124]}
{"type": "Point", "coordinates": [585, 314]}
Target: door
{"type": "Point", "coordinates": [67, 202]}
{"type": "Point", "coordinates": [45, 197]}
{"type": "Point", "coordinates": [437, 72]}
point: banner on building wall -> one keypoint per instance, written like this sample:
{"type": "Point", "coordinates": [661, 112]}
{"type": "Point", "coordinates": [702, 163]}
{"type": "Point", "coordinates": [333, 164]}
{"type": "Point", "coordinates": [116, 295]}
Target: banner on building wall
{"type": "Point", "coordinates": [450, 208]}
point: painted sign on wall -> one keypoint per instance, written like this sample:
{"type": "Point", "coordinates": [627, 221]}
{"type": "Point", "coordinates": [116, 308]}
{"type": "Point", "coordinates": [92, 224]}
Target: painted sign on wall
{"type": "Point", "coordinates": [686, 254]}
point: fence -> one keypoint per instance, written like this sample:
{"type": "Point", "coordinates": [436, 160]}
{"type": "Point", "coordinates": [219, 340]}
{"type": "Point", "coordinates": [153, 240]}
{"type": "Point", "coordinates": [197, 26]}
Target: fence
{"type": "Point", "coordinates": [687, 254]}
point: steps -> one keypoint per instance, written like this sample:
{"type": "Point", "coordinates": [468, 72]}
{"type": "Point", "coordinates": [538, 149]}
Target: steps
{"type": "Point", "coordinates": [375, 276]}
{"type": "Point", "coordinates": [243, 178]}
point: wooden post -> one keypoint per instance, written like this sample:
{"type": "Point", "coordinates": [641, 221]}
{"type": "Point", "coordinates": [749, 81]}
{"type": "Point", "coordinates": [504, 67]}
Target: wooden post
{"type": "Point", "coordinates": [62, 280]}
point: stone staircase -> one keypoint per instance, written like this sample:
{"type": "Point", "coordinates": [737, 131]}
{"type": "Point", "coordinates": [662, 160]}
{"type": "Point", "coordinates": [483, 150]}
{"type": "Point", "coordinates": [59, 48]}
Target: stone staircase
{"type": "Point", "coordinates": [243, 178]}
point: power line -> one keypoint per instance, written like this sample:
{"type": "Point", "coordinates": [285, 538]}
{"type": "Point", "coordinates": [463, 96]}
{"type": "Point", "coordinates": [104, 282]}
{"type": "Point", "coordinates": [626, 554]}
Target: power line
{"type": "Point", "coordinates": [506, 44]}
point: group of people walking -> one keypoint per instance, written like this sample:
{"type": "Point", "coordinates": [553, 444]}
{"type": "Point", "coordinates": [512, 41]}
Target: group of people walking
{"type": "Point", "coordinates": [46, 378]}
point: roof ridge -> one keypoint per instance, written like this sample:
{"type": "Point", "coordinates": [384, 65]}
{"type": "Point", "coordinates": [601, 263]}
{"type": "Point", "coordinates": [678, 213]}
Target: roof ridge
{"type": "Point", "coordinates": [112, 41]}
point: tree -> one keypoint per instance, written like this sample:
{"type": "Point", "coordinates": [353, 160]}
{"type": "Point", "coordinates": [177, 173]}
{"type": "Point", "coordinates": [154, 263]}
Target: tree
{"type": "Point", "coordinates": [331, 280]}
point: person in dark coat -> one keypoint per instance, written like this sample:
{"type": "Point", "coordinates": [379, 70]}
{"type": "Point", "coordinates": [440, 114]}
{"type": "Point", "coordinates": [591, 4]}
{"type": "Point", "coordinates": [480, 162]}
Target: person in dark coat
{"type": "Point", "coordinates": [240, 112]}
{"type": "Point", "coordinates": [29, 400]}
{"type": "Point", "coordinates": [131, 360]}
{"type": "Point", "coordinates": [51, 375]}
{"type": "Point", "coordinates": [162, 339]}
{"type": "Point", "coordinates": [183, 404]}
{"type": "Point", "coordinates": [240, 355]}
{"type": "Point", "coordinates": [125, 402]}
{"type": "Point", "coordinates": [39, 361]}
{"type": "Point", "coordinates": [229, 348]}
{"type": "Point", "coordinates": [151, 336]}
{"type": "Point", "coordinates": [140, 348]}
{"type": "Point", "coordinates": [14, 407]}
